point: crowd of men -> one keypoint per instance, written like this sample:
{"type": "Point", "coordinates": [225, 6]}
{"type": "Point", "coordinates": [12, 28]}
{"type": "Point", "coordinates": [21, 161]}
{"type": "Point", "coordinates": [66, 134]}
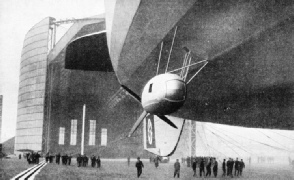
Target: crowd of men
{"type": "Point", "coordinates": [82, 160]}
{"type": "Point", "coordinates": [33, 157]}
{"type": "Point", "coordinates": [207, 165]}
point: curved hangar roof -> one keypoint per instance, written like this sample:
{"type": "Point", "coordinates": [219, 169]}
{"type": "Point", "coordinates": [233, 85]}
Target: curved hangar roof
{"type": "Point", "coordinates": [89, 52]}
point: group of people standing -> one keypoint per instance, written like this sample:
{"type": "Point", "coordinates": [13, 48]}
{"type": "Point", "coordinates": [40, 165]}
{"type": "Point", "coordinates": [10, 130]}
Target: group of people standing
{"type": "Point", "coordinates": [65, 159]}
{"type": "Point", "coordinates": [33, 157]}
{"type": "Point", "coordinates": [206, 164]}
{"type": "Point", "coordinates": [230, 165]}
{"type": "Point", "coordinates": [82, 161]}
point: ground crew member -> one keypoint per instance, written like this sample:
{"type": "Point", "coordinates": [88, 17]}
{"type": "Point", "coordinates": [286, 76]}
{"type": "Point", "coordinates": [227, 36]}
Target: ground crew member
{"type": "Point", "coordinates": [69, 159]}
{"type": "Point", "coordinates": [215, 168]}
{"type": "Point", "coordinates": [85, 160]}
{"type": "Point", "coordinates": [236, 167]}
{"type": "Point", "coordinates": [98, 162]}
{"type": "Point", "coordinates": [156, 161]}
{"type": "Point", "coordinates": [224, 167]}
{"type": "Point", "coordinates": [194, 165]}
{"type": "Point", "coordinates": [177, 166]}
{"type": "Point", "coordinates": [93, 161]}
{"type": "Point", "coordinates": [79, 160]}
{"type": "Point", "coordinates": [230, 164]}
{"type": "Point", "coordinates": [208, 169]}
{"type": "Point", "coordinates": [47, 157]}
{"type": "Point", "coordinates": [139, 166]}
{"type": "Point", "coordinates": [57, 158]}
{"type": "Point", "coordinates": [241, 166]}
{"type": "Point", "coordinates": [202, 168]}
{"type": "Point", "coordinates": [129, 159]}
{"type": "Point", "coordinates": [37, 158]}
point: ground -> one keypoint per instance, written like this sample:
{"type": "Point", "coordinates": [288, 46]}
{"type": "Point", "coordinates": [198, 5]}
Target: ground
{"type": "Point", "coordinates": [119, 170]}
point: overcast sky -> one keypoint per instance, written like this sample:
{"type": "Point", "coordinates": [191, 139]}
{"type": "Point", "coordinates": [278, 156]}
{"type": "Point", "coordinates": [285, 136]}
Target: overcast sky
{"type": "Point", "coordinates": [16, 18]}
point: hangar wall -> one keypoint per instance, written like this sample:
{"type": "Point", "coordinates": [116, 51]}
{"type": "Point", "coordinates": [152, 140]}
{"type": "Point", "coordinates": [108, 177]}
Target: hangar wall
{"type": "Point", "coordinates": [67, 90]}
{"type": "Point", "coordinates": [32, 87]}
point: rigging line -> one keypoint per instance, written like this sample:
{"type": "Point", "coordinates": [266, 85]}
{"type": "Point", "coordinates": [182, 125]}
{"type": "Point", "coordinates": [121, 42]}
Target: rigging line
{"type": "Point", "coordinates": [171, 48]}
{"type": "Point", "coordinates": [197, 72]}
{"type": "Point", "coordinates": [272, 139]}
{"type": "Point", "coordinates": [218, 151]}
{"type": "Point", "coordinates": [187, 69]}
{"type": "Point", "coordinates": [159, 58]}
{"type": "Point", "coordinates": [259, 142]}
{"type": "Point", "coordinates": [204, 132]}
{"type": "Point", "coordinates": [283, 135]}
{"type": "Point", "coordinates": [202, 61]}
{"type": "Point", "coordinates": [205, 145]}
{"type": "Point", "coordinates": [230, 142]}
{"type": "Point", "coordinates": [224, 142]}
{"type": "Point", "coordinates": [184, 63]}
{"type": "Point", "coordinates": [240, 146]}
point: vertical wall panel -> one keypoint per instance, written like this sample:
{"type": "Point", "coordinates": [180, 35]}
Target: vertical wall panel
{"type": "Point", "coordinates": [32, 87]}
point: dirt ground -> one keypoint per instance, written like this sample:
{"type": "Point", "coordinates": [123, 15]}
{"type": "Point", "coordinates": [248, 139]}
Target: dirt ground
{"type": "Point", "coordinates": [120, 170]}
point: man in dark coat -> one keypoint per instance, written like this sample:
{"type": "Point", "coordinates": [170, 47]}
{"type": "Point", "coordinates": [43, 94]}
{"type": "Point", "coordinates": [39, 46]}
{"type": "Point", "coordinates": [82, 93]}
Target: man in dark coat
{"type": "Point", "coordinates": [64, 159]}
{"type": "Point", "coordinates": [177, 167]}
{"type": "Point", "coordinates": [194, 165]}
{"type": "Point", "coordinates": [57, 158]}
{"type": "Point", "coordinates": [85, 160]}
{"type": "Point", "coordinates": [129, 159]}
{"type": "Point", "coordinates": [215, 167]}
{"type": "Point", "coordinates": [202, 167]}
{"type": "Point", "coordinates": [241, 166]}
{"type": "Point", "coordinates": [236, 167]}
{"type": "Point", "coordinates": [224, 168]}
{"type": "Point", "coordinates": [51, 157]}
{"type": "Point", "coordinates": [208, 169]}
{"type": "Point", "coordinates": [79, 160]}
{"type": "Point", "coordinates": [156, 161]}
{"type": "Point", "coordinates": [98, 162]}
{"type": "Point", "coordinates": [38, 158]}
{"type": "Point", "coordinates": [139, 166]}
{"type": "Point", "coordinates": [93, 161]}
{"type": "Point", "coordinates": [69, 159]}
{"type": "Point", "coordinates": [47, 157]}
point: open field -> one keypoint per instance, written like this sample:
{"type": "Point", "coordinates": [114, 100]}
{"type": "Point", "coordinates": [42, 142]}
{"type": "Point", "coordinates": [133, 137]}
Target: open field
{"type": "Point", "coordinates": [11, 167]}
{"type": "Point", "coordinates": [120, 170]}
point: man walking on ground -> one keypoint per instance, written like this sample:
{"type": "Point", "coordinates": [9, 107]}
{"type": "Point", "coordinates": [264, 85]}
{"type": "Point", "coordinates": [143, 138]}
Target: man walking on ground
{"type": "Point", "coordinates": [208, 169]}
{"type": "Point", "coordinates": [58, 158]}
{"type": "Point", "coordinates": [156, 161]}
{"type": "Point", "coordinates": [236, 167]}
{"type": "Point", "coordinates": [93, 161]}
{"type": "Point", "coordinates": [177, 168]}
{"type": "Point", "coordinates": [79, 160]}
{"type": "Point", "coordinates": [241, 166]}
{"type": "Point", "coordinates": [202, 168]}
{"type": "Point", "coordinates": [215, 167]}
{"type": "Point", "coordinates": [69, 159]}
{"type": "Point", "coordinates": [98, 162]}
{"type": "Point", "coordinates": [139, 166]}
{"type": "Point", "coordinates": [224, 168]}
{"type": "Point", "coordinates": [194, 165]}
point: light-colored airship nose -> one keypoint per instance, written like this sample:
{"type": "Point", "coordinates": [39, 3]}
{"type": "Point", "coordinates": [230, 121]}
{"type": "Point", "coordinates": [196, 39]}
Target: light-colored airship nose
{"type": "Point", "coordinates": [164, 94]}
{"type": "Point", "coordinates": [175, 90]}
